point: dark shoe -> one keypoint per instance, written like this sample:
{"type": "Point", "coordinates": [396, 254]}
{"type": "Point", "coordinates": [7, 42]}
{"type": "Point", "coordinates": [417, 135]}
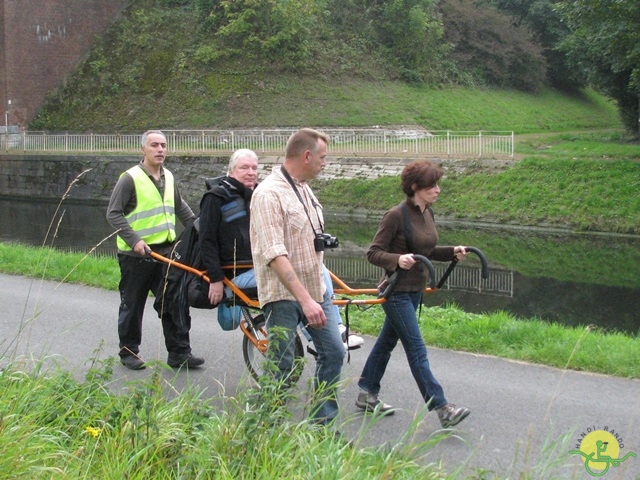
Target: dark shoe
{"type": "Point", "coordinates": [371, 403]}
{"type": "Point", "coordinates": [132, 362]}
{"type": "Point", "coordinates": [450, 415]}
{"type": "Point", "coordinates": [184, 360]}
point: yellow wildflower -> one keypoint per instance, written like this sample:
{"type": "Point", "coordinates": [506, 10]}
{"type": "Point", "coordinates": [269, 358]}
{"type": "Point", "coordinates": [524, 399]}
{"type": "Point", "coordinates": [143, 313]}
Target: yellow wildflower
{"type": "Point", "coordinates": [93, 431]}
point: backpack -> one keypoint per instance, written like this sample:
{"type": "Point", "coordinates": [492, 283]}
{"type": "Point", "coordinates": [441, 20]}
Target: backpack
{"type": "Point", "coordinates": [187, 251]}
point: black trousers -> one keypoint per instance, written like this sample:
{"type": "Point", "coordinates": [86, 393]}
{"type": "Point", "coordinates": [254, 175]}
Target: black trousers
{"type": "Point", "coordinates": [138, 277]}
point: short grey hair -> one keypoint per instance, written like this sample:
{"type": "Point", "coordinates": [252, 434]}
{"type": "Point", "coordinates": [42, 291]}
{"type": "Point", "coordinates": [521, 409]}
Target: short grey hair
{"type": "Point", "coordinates": [143, 139]}
{"type": "Point", "coordinates": [237, 155]}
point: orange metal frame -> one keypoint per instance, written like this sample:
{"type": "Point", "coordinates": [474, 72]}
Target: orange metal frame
{"type": "Point", "coordinates": [342, 289]}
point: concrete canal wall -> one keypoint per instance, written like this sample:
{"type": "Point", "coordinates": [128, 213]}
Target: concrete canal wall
{"type": "Point", "coordinates": [91, 178]}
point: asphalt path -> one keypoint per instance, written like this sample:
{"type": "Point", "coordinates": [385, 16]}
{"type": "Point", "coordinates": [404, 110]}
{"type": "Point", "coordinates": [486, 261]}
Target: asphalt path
{"type": "Point", "coordinates": [524, 417]}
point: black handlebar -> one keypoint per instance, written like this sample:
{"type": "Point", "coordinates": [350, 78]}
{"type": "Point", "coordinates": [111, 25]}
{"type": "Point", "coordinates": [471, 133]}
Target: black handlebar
{"type": "Point", "coordinates": [389, 286]}
{"type": "Point", "coordinates": [393, 279]}
{"type": "Point", "coordinates": [483, 261]}
{"type": "Point", "coordinates": [429, 265]}
{"type": "Point", "coordinates": [454, 262]}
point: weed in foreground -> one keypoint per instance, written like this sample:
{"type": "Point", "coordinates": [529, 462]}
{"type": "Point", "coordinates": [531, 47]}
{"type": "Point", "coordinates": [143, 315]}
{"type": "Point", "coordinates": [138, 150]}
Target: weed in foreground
{"type": "Point", "coordinates": [56, 427]}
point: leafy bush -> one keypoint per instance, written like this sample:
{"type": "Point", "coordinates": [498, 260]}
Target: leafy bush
{"type": "Point", "coordinates": [487, 43]}
{"type": "Point", "coordinates": [211, 63]}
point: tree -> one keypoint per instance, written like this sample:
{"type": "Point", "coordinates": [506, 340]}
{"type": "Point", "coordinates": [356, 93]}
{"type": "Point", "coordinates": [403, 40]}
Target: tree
{"type": "Point", "coordinates": [604, 44]}
{"type": "Point", "coordinates": [489, 49]}
{"type": "Point", "coordinates": [548, 30]}
{"type": "Point", "coordinates": [408, 32]}
{"type": "Point", "coordinates": [272, 30]}
{"type": "Point", "coordinates": [412, 30]}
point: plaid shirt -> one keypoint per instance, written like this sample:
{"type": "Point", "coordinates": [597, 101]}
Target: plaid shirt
{"type": "Point", "coordinates": [280, 226]}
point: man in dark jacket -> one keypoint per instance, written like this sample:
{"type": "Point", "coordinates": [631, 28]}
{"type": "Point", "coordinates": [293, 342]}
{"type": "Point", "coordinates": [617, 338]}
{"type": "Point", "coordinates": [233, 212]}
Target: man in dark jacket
{"type": "Point", "coordinates": [224, 221]}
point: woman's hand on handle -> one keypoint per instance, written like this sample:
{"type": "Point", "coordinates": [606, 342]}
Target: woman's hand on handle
{"type": "Point", "coordinates": [460, 252]}
{"type": "Point", "coordinates": [406, 261]}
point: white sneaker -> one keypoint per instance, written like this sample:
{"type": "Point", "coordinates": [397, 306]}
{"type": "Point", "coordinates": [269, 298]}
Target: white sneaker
{"type": "Point", "coordinates": [354, 340]}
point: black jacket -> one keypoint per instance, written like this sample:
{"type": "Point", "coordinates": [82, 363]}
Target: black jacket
{"type": "Point", "coordinates": [224, 227]}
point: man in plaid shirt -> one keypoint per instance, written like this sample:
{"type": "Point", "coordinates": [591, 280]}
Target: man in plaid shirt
{"type": "Point", "coordinates": [288, 252]}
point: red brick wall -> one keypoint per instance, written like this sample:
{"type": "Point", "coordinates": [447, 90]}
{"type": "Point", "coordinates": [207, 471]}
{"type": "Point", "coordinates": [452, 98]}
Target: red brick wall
{"type": "Point", "coordinates": [41, 42]}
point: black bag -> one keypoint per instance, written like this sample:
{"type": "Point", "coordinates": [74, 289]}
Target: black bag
{"type": "Point", "coordinates": [187, 252]}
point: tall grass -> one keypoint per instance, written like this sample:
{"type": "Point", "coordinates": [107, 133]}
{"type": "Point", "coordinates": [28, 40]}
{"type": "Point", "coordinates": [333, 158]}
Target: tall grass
{"type": "Point", "coordinates": [54, 427]}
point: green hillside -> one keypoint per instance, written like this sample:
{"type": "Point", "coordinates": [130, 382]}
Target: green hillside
{"type": "Point", "coordinates": [160, 67]}
{"type": "Point", "coordinates": [155, 68]}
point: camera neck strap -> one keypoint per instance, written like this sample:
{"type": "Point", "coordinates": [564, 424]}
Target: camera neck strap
{"type": "Point", "coordinates": [304, 205]}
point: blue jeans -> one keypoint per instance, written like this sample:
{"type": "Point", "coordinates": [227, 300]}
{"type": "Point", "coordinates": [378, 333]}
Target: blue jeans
{"type": "Point", "coordinates": [287, 314]}
{"type": "Point", "coordinates": [336, 311]}
{"type": "Point", "coordinates": [401, 324]}
{"type": "Point", "coordinates": [247, 279]}
{"type": "Point", "coordinates": [230, 316]}
{"type": "Point", "coordinates": [329, 283]}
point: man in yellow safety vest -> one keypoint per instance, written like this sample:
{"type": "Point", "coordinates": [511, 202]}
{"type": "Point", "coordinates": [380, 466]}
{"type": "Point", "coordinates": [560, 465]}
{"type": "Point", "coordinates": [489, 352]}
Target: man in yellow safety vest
{"type": "Point", "coordinates": [143, 208]}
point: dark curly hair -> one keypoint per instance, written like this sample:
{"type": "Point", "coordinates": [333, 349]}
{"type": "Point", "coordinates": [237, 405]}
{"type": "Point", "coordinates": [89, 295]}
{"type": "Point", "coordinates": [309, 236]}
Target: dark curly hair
{"type": "Point", "coordinates": [421, 174]}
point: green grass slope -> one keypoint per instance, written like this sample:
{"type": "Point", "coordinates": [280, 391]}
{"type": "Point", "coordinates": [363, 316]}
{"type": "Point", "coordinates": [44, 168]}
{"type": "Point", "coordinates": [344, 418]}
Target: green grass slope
{"type": "Point", "coordinates": [282, 102]}
{"type": "Point", "coordinates": [148, 71]}
{"type": "Point", "coordinates": [578, 170]}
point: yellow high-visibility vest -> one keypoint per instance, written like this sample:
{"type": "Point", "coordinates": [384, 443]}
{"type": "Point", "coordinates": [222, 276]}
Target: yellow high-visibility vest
{"type": "Point", "coordinates": [154, 217]}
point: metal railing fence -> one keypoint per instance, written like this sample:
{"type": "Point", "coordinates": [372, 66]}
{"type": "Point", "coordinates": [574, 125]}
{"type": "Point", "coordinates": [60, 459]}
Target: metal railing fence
{"type": "Point", "coordinates": [464, 277]}
{"type": "Point", "coordinates": [357, 270]}
{"type": "Point", "coordinates": [344, 142]}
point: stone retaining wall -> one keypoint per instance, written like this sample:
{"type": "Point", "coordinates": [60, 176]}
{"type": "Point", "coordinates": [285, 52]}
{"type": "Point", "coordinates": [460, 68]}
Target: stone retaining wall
{"type": "Point", "coordinates": [93, 178]}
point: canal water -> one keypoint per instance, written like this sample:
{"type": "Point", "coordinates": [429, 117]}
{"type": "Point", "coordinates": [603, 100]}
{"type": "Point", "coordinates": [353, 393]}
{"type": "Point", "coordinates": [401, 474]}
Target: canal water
{"type": "Point", "coordinates": [572, 279]}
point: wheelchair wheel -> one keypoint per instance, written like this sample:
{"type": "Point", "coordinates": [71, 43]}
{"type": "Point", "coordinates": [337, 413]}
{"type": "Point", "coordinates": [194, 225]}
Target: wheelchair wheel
{"type": "Point", "coordinates": [254, 358]}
